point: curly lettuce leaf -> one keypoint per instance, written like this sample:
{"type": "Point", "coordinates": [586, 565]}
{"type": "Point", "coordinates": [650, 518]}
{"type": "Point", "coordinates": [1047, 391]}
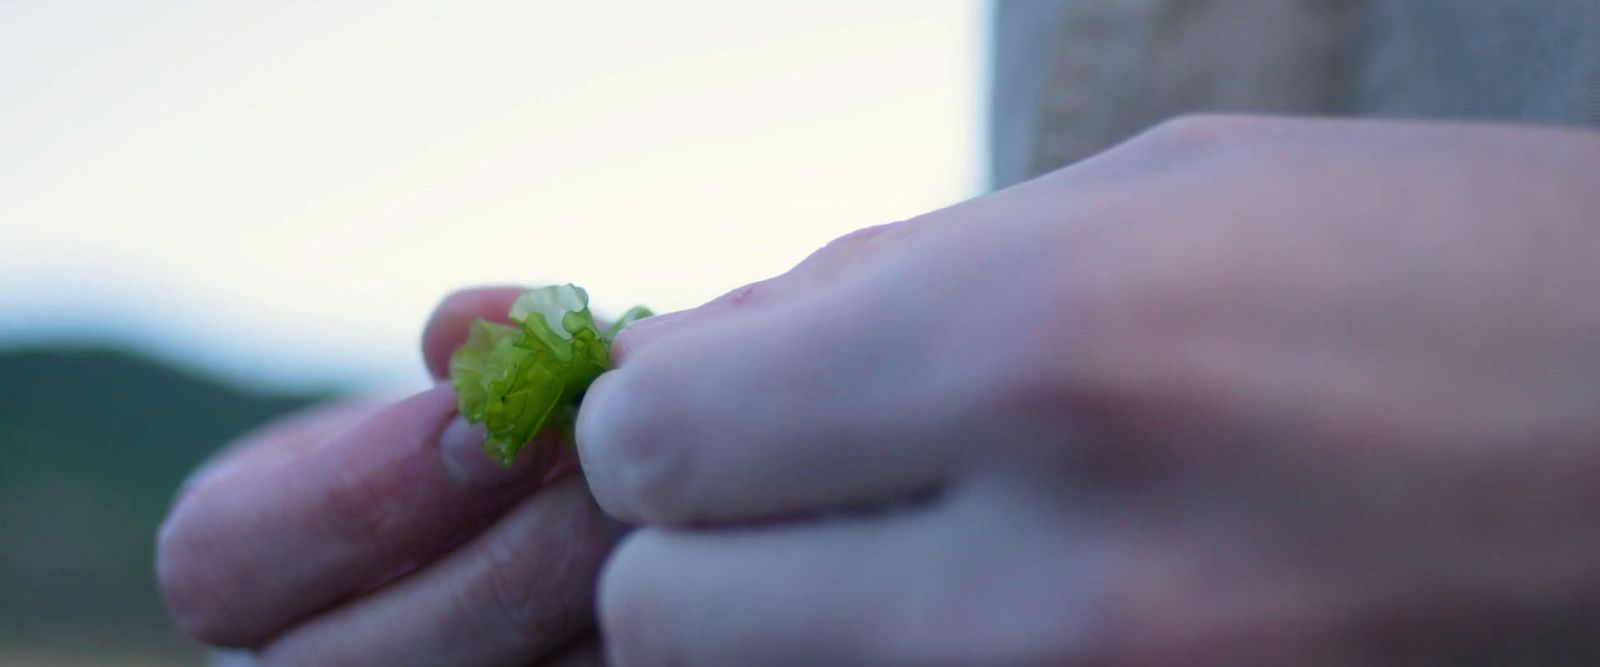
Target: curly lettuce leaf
{"type": "Point", "coordinates": [521, 380]}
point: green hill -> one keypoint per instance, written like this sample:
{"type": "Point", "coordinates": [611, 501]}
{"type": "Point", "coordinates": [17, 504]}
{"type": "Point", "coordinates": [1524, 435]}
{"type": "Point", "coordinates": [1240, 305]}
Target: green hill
{"type": "Point", "coordinates": [94, 441]}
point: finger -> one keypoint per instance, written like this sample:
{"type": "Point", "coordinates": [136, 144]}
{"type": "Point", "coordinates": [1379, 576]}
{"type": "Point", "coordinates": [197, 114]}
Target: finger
{"type": "Point", "coordinates": [447, 327]}
{"type": "Point", "coordinates": [811, 594]}
{"type": "Point", "coordinates": [271, 539]}
{"type": "Point", "coordinates": [793, 408]}
{"type": "Point", "coordinates": [964, 580]}
{"type": "Point", "coordinates": [515, 593]}
{"type": "Point", "coordinates": [827, 265]}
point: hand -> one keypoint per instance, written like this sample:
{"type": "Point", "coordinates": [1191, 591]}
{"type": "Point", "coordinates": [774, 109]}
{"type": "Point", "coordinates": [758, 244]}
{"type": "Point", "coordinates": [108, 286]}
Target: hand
{"type": "Point", "coordinates": [371, 534]}
{"type": "Point", "coordinates": [1238, 392]}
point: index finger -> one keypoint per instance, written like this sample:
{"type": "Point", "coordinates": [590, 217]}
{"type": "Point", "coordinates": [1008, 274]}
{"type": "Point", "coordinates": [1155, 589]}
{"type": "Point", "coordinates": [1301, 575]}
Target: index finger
{"type": "Point", "coordinates": [772, 413]}
{"type": "Point", "coordinates": [447, 327]}
{"type": "Point", "coordinates": [250, 550]}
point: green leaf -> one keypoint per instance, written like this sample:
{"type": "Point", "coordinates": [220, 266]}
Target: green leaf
{"type": "Point", "coordinates": [519, 381]}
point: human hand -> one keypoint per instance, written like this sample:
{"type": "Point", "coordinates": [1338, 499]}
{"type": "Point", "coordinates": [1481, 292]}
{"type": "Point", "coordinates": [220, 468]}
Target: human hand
{"type": "Point", "coordinates": [1238, 392]}
{"type": "Point", "coordinates": [358, 533]}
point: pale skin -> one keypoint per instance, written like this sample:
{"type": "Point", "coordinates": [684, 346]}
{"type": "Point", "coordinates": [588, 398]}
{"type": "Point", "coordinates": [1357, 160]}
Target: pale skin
{"type": "Point", "coordinates": [1240, 391]}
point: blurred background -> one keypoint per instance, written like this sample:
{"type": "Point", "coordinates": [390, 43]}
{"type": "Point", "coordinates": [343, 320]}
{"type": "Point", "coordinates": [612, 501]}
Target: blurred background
{"type": "Point", "coordinates": [212, 213]}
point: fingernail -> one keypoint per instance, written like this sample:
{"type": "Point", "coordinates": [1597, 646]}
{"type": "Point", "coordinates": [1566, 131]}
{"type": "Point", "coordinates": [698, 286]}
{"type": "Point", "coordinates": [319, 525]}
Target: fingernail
{"type": "Point", "coordinates": [461, 449]}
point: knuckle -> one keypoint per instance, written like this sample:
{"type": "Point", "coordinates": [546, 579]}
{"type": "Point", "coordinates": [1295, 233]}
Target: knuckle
{"type": "Point", "coordinates": [360, 506]}
{"type": "Point", "coordinates": [528, 603]}
{"type": "Point", "coordinates": [850, 248]}
{"type": "Point", "coordinates": [858, 239]}
{"type": "Point", "coordinates": [753, 294]}
{"type": "Point", "coordinates": [1201, 133]}
{"type": "Point", "coordinates": [1125, 333]}
{"type": "Point", "coordinates": [1028, 381]}
{"type": "Point", "coordinates": [1203, 128]}
{"type": "Point", "coordinates": [515, 601]}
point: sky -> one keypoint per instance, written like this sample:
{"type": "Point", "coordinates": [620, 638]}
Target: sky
{"type": "Point", "coordinates": [279, 193]}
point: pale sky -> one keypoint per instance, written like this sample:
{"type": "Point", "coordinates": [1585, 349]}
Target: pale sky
{"type": "Point", "coordinates": [282, 191]}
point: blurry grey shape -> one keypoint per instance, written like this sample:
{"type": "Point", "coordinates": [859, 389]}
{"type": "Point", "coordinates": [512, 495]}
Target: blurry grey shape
{"type": "Point", "coordinates": [1529, 60]}
{"type": "Point", "coordinates": [1115, 67]}
{"type": "Point", "coordinates": [1073, 77]}
{"type": "Point", "coordinates": [1023, 48]}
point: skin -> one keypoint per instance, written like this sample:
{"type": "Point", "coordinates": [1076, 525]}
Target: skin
{"type": "Point", "coordinates": [1238, 392]}
{"type": "Point", "coordinates": [352, 535]}
{"type": "Point", "coordinates": [1241, 391]}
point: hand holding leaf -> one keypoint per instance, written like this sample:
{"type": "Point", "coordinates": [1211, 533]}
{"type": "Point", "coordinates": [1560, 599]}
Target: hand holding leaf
{"type": "Point", "coordinates": [520, 381]}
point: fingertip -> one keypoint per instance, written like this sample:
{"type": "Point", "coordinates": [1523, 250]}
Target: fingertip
{"type": "Point", "coordinates": [448, 324]}
{"type": "Point", "coordinates": [186, 594]}
{"type": "Point", "coordinates": [304, 516]}
{"type": "Point", "coordinates": [591, 435]}
{"type": "Point", "coordinates": [628, 448]}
